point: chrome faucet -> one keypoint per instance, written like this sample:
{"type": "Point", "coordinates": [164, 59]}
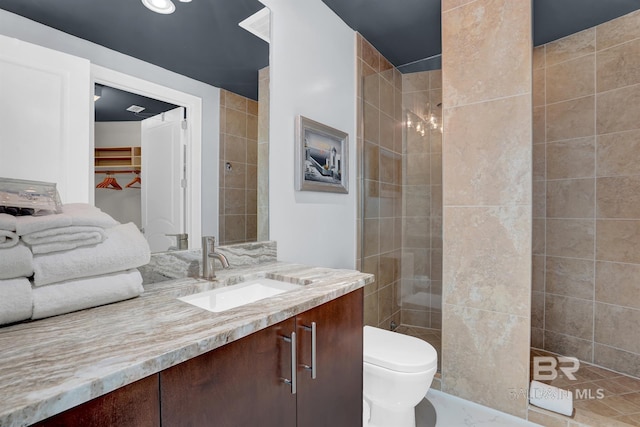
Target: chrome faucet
{"type": "Point", "coordinates": [209, 252]}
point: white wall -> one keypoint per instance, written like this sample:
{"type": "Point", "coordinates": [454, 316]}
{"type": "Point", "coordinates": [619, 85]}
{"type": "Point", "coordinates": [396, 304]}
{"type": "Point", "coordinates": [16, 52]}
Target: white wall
{"type": "Point", "coordinates": [125, 205]}
{"type": "Point", "coordinates": [312, 65]}
{"type": "Point", "coordinates": [13, 25]}
{"type": "Point", "coordinates": [118, 134]}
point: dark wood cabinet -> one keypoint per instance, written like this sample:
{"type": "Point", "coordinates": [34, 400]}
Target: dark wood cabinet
{"type": "Point", "coordinates": [239, 384]}
{"type": "Point", "coordinates": [134, 405]}
{"type": "Point", "coordinates": [248, 382]}
{"type": "Point", "coordinates": [334, 397]}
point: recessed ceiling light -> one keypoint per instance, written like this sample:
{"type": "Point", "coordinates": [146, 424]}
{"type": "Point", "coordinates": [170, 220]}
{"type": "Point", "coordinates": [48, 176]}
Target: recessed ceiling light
{"type": "Point", "coordinates": [160, 6]}
{"type": "Point", "coordinates": [185, 1]}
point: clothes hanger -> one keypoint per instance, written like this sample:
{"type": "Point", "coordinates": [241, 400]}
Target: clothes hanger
{"type": "Point", "coordinates": [135, 180]}
{"type": "Point", "coordinates": [109, 182]}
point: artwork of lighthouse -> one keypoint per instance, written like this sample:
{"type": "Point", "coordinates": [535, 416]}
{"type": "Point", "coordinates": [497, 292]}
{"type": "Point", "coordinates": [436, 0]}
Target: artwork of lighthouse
{"type": "Point", "coordinates": [321, 157]}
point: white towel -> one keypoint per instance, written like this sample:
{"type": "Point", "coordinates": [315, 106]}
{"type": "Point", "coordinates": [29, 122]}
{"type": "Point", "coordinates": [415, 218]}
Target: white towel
{"type": "Point", "coordinates": [72, 214]}
{"type": "Point", "coordinates": [73, 295]}
{"type": "Point", "coordinates": [551, 398]}
{"type": "Point", "coordinates": [124, 248]}
{"type": "Point", "coordinates": [16, 262]}
{"type": "Point", "coordinates": [8, 239]}
{"type": "Point", "coordinates": [16, 302]}
{"type": "Point", "coordinates": [33, 224]}
{"type": "Point", "coordinates": [84, 214]}
{"type": "Point", "coordinates": [7, 222]}
{"type": "Point", "coordinates": [64, 238]}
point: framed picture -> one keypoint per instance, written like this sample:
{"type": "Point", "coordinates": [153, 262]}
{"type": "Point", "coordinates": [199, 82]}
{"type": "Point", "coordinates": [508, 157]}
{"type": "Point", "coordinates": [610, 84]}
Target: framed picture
{"type": "Point", "coordinates": [322, 161]}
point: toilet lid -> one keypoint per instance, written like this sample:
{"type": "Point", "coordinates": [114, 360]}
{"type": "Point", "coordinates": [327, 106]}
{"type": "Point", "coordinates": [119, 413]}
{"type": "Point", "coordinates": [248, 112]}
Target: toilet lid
{"type": "Point", "coordinates": [398, 352]}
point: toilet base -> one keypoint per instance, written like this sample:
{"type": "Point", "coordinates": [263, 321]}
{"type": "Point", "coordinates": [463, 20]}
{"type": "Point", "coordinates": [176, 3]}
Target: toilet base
{"type": "Point", "coordinates": [385, 417]}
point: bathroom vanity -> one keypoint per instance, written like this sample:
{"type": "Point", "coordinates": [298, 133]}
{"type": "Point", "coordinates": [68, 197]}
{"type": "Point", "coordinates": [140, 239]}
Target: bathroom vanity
{"type": "Point", "coordinates": [242, 383]}
{"type": "Point", "coordinates": [156, 360]}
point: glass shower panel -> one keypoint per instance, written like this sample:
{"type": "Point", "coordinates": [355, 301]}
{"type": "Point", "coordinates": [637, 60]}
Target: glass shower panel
{"type": "Point", "coordinates": [421, 278]}
{"type": "Point", "coordinates": [422, 194]}
{"type": "Point", "coordinates": [400, 196]}
{"type": "Point", "coordinates": [381, 194]}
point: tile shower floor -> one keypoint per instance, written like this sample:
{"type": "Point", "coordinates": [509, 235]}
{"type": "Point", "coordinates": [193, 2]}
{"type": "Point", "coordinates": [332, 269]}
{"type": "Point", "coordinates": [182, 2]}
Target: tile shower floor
{"type": "Point", "coordinates": [620, 393]}
{"type": "Point", "coordinates": [601, 391]}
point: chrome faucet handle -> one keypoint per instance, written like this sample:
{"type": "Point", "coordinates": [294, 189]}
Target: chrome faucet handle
{"type": "Point", "coordinates": [182, 240]}
{"type": "Point", "coordinates": [209, 243]}
{"type": "Point", "coordinates": [208, 254]}
{"type": "Point", "coordinates": [208, 247]}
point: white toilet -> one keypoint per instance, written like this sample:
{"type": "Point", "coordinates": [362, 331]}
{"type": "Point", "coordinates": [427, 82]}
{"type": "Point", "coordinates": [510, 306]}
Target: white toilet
{"type": "Point", "coordinates": [398, 370]}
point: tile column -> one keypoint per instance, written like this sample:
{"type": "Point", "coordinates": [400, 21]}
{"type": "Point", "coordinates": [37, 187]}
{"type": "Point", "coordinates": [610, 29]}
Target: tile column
{"type": "Point", "coordinates": [487, 177]}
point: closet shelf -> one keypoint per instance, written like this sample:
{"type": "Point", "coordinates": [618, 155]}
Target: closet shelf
{"type": "Point", "coordinates": [115, 157]}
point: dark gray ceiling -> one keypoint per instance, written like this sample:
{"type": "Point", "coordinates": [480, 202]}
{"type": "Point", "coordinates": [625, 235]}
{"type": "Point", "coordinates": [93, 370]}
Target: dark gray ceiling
{"type": "Point", "coordinates": [408, 31]}
{"type": "Point", "coordinates": [554, 19]}
{"type": "Point", "coordinates": [202, 39]}
{"type": "Point", "coordinates": [113, 103]}
{"type": "Point", "coordinates": [402, 30]}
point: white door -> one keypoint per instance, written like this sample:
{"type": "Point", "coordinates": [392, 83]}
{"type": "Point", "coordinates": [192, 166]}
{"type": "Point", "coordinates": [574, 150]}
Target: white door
{"type": "Point", "coordinates": [45, 116]}
{"type": "Point", "coordinates": [163, 193]}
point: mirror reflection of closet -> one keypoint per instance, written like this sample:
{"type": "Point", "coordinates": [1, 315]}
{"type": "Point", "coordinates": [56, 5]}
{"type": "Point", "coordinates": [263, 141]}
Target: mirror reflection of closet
{"type": "Point", "coordinates": [122, 185]}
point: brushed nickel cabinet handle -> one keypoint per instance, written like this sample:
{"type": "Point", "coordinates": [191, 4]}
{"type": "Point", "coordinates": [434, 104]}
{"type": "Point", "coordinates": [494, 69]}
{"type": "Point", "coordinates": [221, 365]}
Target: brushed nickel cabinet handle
{"type": "Point", "coordinates": [294, 363]}
{"type": "Point", "coordinates": [314, 364]}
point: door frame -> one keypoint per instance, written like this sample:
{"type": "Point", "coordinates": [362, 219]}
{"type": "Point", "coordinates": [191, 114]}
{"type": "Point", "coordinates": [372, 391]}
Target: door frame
{"type": "Point", "coordinates": [193, 106]}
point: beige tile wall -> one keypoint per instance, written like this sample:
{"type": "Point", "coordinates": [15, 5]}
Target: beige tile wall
{"type": "Point", "coordinates": [263, 154]}
{"type": "Point", "coordinates": [421, 292]}
{"type": "Point", "coordinates": [487, 178]}
{"type": "Point", "coordinates": [238, 168]}
{"type": "Point", "coordinates": [380, 171]}
{"type": "Point", "coordinates": [586, 262]}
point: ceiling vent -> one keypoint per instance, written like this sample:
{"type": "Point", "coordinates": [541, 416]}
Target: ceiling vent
{"type": "Point", "coordinates": [136, 109]}
{"type": "Point", "coordinates": [259, 24]}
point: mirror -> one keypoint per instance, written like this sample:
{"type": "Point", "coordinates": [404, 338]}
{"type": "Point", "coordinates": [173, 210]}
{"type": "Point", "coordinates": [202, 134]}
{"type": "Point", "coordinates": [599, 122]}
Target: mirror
{"type": "Point", "coordinates": [202, 201]}
{"type": "Point", "coordinates": [138, 164]}
{"type": "Point", "coordinates": [243, 165]}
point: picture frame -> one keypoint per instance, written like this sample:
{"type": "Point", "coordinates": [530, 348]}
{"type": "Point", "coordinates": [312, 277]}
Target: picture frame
{"type": "Point", "coordinates": [321, 157]}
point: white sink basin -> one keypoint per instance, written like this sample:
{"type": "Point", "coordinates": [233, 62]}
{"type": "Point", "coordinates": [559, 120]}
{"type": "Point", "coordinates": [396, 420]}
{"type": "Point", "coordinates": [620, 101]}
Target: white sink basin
{"type": "Point", "coordinates": [222, 299]}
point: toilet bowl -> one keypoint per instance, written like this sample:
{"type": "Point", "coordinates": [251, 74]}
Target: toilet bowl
{"type": "Point", "coordinates": [398, 370]}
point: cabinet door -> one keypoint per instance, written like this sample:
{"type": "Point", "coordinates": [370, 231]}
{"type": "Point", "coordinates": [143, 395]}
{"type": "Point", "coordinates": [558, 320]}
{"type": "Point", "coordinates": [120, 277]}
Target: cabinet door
{"type": "Point", "coordinates": [239, 384]}
{"type": "Point", "coordinates": [134, 405]}
{"type": "Point", "coordinates": [334, 398]}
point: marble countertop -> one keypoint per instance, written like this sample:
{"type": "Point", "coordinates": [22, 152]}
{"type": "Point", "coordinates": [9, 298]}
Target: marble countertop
{"type": "Point", "coordinates": [51, 365]}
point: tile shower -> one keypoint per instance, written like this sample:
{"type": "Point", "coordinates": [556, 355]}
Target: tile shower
{"type": "Point", "coordinates": [586, 223]}
{"type": "Point", "coordinates": [586, 250]}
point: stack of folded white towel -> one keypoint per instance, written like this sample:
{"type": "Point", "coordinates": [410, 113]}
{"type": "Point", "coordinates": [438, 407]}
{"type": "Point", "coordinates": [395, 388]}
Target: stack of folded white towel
{"type": "Point", "coordinates": [56, 264]}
